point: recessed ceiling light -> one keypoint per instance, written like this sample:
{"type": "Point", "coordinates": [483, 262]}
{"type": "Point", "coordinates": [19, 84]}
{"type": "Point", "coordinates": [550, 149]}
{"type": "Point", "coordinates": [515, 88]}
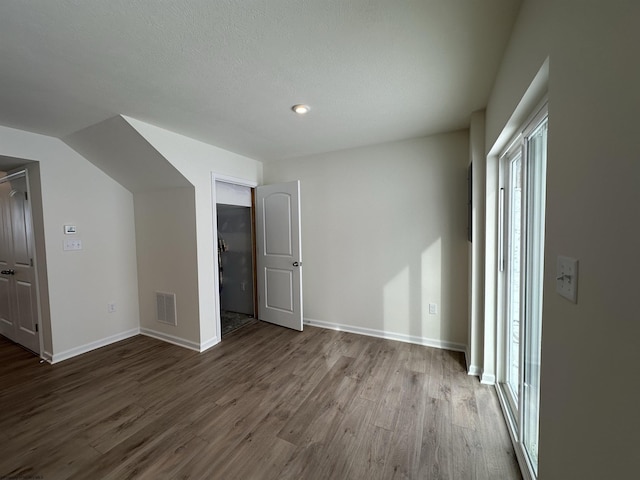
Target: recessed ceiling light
{"type": "Point", "coordinates": [300, 109]}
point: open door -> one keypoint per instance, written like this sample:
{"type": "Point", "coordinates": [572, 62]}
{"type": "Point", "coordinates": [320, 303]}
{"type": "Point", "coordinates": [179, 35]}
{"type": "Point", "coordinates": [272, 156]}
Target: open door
{"type": "Point", "coordinates": [278, 256]}
{"type": "Point", "coordinates": [18, 300]}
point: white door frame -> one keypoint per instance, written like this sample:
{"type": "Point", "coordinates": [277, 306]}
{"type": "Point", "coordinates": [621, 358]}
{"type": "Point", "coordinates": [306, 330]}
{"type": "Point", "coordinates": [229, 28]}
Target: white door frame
{"type": "Point", "coordinates": [215, 177]}
{"type": "Point", "coordinates": [24, 171]}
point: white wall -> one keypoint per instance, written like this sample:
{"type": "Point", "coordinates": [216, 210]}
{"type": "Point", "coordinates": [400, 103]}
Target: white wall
{"type": "Point", "coordinates": [589, 423]}
{"type": "Point", "coordinates": [197, 161]}
{"type": "Point", "coordinates": [167, 261]}
{"type": "Point", "coordinates": [81, 283]}
{"type": "Point", "coordinates": [384, 234]}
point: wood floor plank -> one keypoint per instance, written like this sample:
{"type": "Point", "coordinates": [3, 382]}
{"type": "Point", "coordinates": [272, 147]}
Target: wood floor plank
{"type": "Point", "coordinates": [258, 458]}
{"type": "Point", "coordinates": [469, 462]}
{"type": "Point", "coordinates": [436, 453]}
{"type": "Point", "coordinates": [267, 402]}
{"type": "Point", "coordinates": [391, 393]}
{"type": "Point", "coordinates": [261, 454]}
{"type": "Point", "coordinates": [344, 444]}
{"type": "Point", "coordinates": [59, 460]}
{"type": "Point", "coordinates": [379, 371]}
{"type": "Point", "coordinates": [496, 444]}
{"type": "Point", "coordinates": [419, 358]}
{"type": "Point", "coordinates": [173, 461]}
{"type": "Point", "coordinates": [403, 460]}
{"type": "Point", "coordinates": [440, 376]}
{"type": "Point", "coordinates": [371, 455]}
{"type": "Point", "coordinates": [463, 403]}
{"type": "Point", "coordinates": [323, 399]}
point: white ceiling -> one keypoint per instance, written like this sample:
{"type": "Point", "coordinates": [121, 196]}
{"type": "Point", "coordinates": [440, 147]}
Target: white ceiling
{"type": "Point", "coordinates": [227, 71]}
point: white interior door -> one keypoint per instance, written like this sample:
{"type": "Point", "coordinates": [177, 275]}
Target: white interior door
{"type": "Point", "coordinates": [18, 299]}
{"type": "Point", "coordinates": [279, 256]}
{"type": "Point", "coordinates": [7, 327]}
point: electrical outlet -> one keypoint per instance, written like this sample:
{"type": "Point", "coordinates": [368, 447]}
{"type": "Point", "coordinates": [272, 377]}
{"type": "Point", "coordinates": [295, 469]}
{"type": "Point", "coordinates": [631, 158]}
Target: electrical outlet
{"type": "Point", "coordinates": [111, 307]}
{"type": "Point", "coordinates": [433, 309]}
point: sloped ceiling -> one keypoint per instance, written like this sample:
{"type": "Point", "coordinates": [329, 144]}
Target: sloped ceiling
{"type": "Point", "coordinates": [116, 148]}
{"type": "Point", "coordinates": [226, 72]}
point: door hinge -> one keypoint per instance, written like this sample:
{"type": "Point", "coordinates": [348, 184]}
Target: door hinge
{"type": "Point", "coordinates": [36, 328]}
{"type": "Point", "coordinates": [31, 261]}
{"type": "Point", "coordinates": [26, 196]}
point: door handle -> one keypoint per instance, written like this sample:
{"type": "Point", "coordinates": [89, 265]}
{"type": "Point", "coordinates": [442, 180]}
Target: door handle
{"type": "Point", "coordinates": [297, 264]}
{"type": "Point", "coordinates": [8, 272]}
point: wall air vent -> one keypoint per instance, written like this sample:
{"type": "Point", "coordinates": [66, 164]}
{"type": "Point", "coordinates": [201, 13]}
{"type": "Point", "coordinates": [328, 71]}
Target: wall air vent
{"type": "Point", "coordinates": [166, 308]}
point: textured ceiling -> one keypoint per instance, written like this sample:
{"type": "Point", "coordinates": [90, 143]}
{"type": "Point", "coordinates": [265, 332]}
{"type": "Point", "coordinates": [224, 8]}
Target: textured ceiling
{"type": "Point", "coordinates": [227, 71]}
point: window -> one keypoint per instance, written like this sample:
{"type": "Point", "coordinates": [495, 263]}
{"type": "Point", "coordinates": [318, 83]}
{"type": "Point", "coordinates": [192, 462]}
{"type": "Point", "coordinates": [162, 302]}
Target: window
{"type": "Point", "coordinates": [521, 255]}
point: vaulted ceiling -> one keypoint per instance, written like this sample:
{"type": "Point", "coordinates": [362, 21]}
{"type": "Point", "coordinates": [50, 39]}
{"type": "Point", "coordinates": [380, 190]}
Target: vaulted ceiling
{"type": "Point", "coordinates": [227, 72]}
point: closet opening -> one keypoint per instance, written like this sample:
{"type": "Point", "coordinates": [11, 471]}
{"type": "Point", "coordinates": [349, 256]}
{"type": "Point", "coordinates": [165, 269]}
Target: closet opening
{"type": "Point", "coordinates": [236, 261]}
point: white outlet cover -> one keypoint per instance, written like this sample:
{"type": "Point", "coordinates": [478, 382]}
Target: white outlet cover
{"type": "Point", "coordinates": [433, 309]}
{"type": "Point", "coordinates": [567, 278]}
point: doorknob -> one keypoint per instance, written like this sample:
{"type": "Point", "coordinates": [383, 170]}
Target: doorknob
{"type": "Point", "coordinates": [297, 264]}
{"type": "Point", "coordinates": [8, 272]}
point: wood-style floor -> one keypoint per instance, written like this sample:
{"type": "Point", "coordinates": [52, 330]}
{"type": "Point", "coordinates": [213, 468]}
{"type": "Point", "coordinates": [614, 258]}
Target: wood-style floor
{"type": "Point", "coordinates": [266, 403]}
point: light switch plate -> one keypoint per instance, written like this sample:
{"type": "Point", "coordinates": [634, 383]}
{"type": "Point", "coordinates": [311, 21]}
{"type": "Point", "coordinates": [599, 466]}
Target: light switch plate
{"type": "Point", "coordinates": [567, 278]}
{"type": "Point", "coordinates": [72, 244]}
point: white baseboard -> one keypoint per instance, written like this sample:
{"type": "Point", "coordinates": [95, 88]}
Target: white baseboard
{"type": "Point", "coordinates": [487, 379]}
{"type": "Point", "coordinates": [474, 370]}
{"type": "Point", "coordinates": [428, 342]}
{"type": "Point", "coordinates": [73, 352]}
{"type": "Point", "coordinates": [208, 344]}
{"type": "Point", "coordinates": [165, 337]}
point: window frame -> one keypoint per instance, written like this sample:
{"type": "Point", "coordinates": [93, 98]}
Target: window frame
{"type": "Point", "coordinates": [518, 145]}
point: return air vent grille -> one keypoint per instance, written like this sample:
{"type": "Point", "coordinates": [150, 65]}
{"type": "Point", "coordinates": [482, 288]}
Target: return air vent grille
{"type": "Point", "coordinates": [166, 308]}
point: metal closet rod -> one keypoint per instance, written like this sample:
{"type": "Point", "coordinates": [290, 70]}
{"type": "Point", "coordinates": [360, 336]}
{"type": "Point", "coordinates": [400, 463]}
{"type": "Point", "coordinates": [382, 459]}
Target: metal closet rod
{"type": "Point", "coordinates": [12, 175]}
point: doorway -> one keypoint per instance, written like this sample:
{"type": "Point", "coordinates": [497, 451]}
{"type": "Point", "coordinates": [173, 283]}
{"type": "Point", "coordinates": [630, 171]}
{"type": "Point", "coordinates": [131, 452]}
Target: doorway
{"type": "Point", "coordinates": [235, 266]}
{"type": "Point", "coordinates": [235, 251]}
{"type": "Point", "coordinates": [276, 249]}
